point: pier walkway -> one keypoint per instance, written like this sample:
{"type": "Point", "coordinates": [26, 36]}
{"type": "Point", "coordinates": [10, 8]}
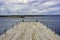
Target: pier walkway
{"type": "Point", "coordinates": [29, 31]}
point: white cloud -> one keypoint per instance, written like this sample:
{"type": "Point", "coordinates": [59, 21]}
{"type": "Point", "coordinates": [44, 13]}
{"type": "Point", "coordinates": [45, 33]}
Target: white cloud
{"type": "Point", "coordinates": [50, 3]}
{"type": "Point", "coordinates": [15, 1]}
{"type": "Point", "coordinates": [22, 1]}
{"type": "Point", "coordinates": [2, 8]}
{"type": "Point", "coordinates": [49, 10]}
{"type": "Point", "coordinates": [56, 0]}
{"type": "Point", "coordinates": [36, 8]}
{"type": "Point", "coordinates": [8, 1]}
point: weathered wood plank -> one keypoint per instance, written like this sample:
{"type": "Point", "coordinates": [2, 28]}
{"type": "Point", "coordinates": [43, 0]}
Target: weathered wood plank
{"type": "Point", "coordinates": [30, 31]}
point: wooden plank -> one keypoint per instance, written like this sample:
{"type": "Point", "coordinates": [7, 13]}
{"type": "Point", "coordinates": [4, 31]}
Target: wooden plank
{"type": "Point", "coordinates": [30, 31]}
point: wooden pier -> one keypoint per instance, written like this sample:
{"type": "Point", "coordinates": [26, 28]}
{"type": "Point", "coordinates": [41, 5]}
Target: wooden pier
{"type": "Point", "coordinates": [30, 31]}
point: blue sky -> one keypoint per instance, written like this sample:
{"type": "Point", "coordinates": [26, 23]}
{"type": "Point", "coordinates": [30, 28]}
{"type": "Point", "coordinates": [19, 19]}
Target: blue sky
{"type": "Point", "coordinates": [29, 7]}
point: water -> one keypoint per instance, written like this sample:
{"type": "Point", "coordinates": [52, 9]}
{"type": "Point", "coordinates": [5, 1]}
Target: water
{"type": "Point", "coordinates": [52, 22]}
{"type": "Point", "coordinates": [7, 23]}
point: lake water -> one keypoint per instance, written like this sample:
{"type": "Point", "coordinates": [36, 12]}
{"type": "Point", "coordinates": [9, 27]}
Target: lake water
{"type": "Point", "coordinates": [53, 22]}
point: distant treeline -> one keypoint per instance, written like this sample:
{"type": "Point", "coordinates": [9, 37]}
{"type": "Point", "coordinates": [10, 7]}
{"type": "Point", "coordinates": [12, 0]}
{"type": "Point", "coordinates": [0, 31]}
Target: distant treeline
{"type": "Point", "coordinates": [18, 16]}
{"type": "Point", "coordinates": [22, 16]}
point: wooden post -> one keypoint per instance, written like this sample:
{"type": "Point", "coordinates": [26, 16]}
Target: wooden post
{"type": "Point", "coordinates": [55, 30]}
{"type": "Point", "coordinates": [22, 20]}
{"type": "Point", "coordinates": [12, 26]}
{"type": "Point", "coordinates": [36, 20]}
{"type": "Point", "coordinates": [47, 26]}
{"type": "Point", "coordinates": [5, 31]}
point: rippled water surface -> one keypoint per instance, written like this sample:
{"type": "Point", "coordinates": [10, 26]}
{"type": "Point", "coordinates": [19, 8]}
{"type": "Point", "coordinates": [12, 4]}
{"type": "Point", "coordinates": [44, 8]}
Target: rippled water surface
{"type": "Point", "coordinates": [52, 22]}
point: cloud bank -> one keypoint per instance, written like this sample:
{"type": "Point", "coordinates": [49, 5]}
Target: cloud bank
{"type": "Point", "coordinates": [29, 7]}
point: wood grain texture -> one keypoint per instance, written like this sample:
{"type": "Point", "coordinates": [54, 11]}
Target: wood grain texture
{"type": "Point", "coordinates": [30, 31]}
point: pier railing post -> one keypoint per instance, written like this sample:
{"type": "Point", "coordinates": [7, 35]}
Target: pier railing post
{"type": "Point", "coordinates": [22, 20]}
{"type": "Point", "coordinates": [47, 26]}
{"type": "Point", "coordinates": [12, 26]}
{"type": "Point", "coordinates": [5, 31]}
{"type": "Point", "coordinates": [36, 20]}
{"type": "Point", "coordinates": [55, 30]}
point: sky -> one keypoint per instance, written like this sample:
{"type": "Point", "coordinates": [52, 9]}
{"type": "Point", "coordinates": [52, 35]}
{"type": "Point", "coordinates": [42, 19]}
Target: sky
{"type": "Point", "coordinates": [29, 7]}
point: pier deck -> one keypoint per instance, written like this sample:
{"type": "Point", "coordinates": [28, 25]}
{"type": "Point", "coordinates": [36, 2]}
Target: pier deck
{"type": "Point", "coordinates": [30, 31]}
